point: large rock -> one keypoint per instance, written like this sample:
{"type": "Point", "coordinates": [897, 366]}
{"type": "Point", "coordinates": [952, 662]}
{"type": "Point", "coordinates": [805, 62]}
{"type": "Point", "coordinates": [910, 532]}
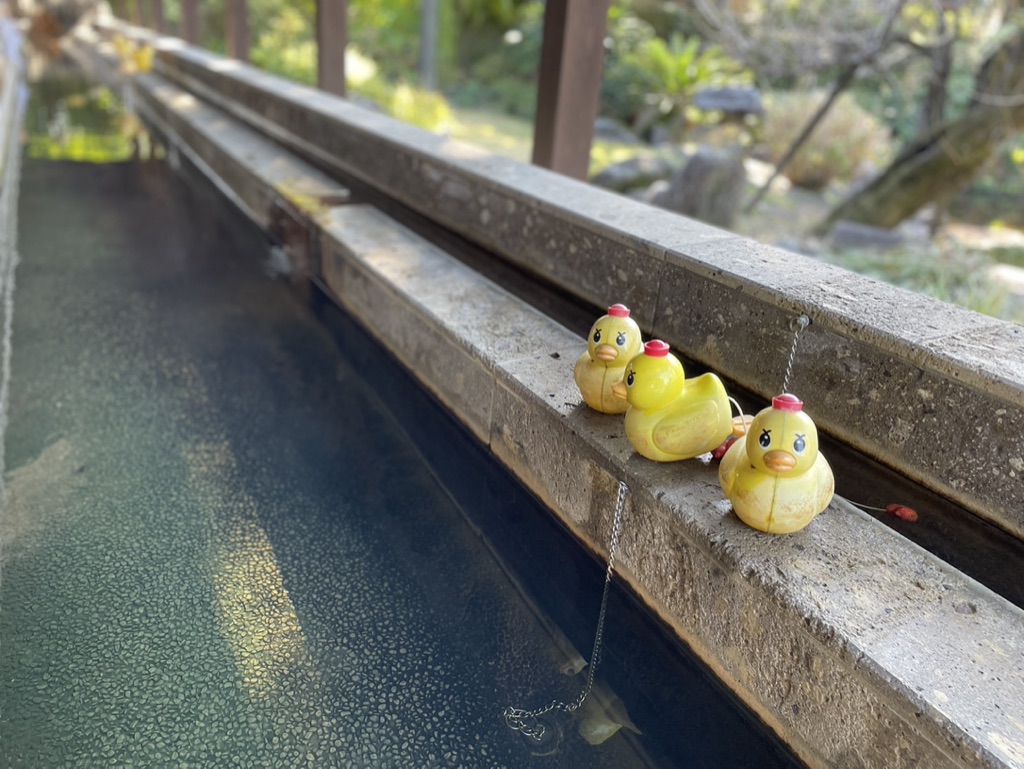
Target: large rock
{"type": "Point", "coordinates": [613, 131]}
{"type": "Point", "coordinates": [853, 236]}
{"type": "Point", "coordinates": [635, 172]}
{"type": "Point", "coordinates": [734, 101]}
{"type": "Point", "coordinates": [709, 187]}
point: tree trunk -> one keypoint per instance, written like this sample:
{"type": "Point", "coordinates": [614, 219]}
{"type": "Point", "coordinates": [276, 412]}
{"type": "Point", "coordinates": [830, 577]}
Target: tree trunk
{"type": "Point", "coordinates": [934, 107]}
{"type": "Point", "coordinates": [936, 167]}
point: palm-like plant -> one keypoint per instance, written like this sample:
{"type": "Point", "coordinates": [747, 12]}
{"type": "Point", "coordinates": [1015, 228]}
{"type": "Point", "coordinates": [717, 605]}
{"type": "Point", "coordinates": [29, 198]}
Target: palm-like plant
{"type": "Point", "coordinates": [670, 72]}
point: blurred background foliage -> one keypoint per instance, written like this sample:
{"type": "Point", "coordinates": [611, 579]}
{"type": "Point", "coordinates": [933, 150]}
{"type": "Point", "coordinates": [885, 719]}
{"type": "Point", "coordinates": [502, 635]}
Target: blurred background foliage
{"type": "Point", "coordinates": [659, 54]}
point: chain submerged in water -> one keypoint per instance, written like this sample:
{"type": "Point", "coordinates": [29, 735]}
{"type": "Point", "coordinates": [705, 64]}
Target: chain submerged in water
{"type": "Point", "coordinates": [526, 721]}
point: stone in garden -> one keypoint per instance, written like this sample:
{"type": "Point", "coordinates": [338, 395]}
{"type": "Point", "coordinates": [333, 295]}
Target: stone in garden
{"type": "Point", "coordinates": [635, 172]}
{"type": "Point", "coordinates": [736, 101]}
{"type": "Point", "coordinates": [1010, 279]}
{"type": "Point", "coordinates": [855, 235]}
{"type": "Point", "coordinates": [708, 187]}
{"type": "Point", "coordinates": [657, 193]}
{"type": "Point", "coordinates": [611, 130]}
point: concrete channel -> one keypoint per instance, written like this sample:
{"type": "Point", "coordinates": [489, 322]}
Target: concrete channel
{"type": "Point", "coordinates": [854, 645]}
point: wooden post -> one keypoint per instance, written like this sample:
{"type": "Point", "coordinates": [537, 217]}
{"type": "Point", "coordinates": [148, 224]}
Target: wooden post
{"type": "Point", "coordinates": [238, 29]}
{"type": "Point", "coordinates": [569, 88]}
{"type": "Point", "coordinates": [158, 15]}
{"type": "Point", "coordinates": [138, 16]}
{"type": "Point", "coordinates": [190, 21]}
{"type": "Point", "coordinates": [331, 39]}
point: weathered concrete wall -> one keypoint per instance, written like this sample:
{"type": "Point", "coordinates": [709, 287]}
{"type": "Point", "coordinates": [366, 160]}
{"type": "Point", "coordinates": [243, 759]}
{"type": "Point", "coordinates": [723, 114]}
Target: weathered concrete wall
{"type": "Point", "coordinates": [12, 103]}
{"type": "Point", "coordinates": [927, 388]}
{"type": "Point", "coordinates": [859, 648]}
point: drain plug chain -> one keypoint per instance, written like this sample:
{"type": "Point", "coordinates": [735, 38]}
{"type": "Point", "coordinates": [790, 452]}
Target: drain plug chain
{"type": "Point", "coordinates": [525, 721]}
{"type": "Point", "coordinates": [799, 324]}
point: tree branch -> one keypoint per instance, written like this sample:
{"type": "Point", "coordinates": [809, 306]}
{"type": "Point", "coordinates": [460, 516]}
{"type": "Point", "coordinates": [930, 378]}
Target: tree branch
{"type": "Point", "coordinates": [882, 41]}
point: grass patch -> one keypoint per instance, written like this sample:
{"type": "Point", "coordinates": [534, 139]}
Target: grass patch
{"type": "Point", "coordinates": [944, 270]}
{"type": "Point", "coordinates": [512, 137]}
{"type": "Point", "coordinates": [502, 134]}
{"type": "Point", "coordinates": [1008, 255]}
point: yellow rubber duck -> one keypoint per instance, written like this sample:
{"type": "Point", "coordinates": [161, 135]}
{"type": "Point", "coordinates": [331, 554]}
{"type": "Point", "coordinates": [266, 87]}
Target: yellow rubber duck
{"type": "Point", "coordinates": [671, 417]}
{"type": "Point", "coordinates": [143, 58]}
{"type": "Point", "coordinates": [134, 58]}
{"type": "Point", "coordinates": [614, 341]}
{"type": "Point", "coordinates": [775, 477]}
{"type": "Point", "coordinates": [122, 46]}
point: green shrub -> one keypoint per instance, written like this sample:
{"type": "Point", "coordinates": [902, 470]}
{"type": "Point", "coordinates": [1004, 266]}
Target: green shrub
{"type": "Point", "coordinates": [506, 78]}
{"type": "Point", "coordinates": [647, 80]}
{"type": "Point", "coordinates": [286, 48]}
{"type": "Point", "coordinates": [845, 141]}
{"type": "Point", "coordinates": [388, 31]}
{"type": "Point", "coordinates": [622, 92]}
{"type": "Point", "coordinates": [401, 100]}
{"type": "Point", "coordinates": [651, 82]}
{"type": "Point", "coordinates": [427, 109]}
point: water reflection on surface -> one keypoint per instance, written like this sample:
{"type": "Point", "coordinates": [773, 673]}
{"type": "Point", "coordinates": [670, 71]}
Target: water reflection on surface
{"type": "Point", "coordinates": [71, 118]}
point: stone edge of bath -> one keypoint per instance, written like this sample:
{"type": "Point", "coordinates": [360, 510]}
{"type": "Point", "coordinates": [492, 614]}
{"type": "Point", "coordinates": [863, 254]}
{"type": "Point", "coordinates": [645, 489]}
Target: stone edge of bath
{"type": "Point", "coordinates": [892, 373]}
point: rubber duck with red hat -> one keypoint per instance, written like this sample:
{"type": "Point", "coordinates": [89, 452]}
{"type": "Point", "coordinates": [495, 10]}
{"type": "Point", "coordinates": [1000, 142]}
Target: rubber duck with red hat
{"type": "Point", "coordinates": [671, 417]}
{"type": "Point", "coordinates": [775, 477]}
{"type": "Point", "coordinates": [613, 342]}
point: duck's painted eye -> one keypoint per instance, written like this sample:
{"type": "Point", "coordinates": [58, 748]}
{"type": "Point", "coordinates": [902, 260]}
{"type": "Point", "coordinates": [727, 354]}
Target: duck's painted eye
{"type": "Point", "coordinates": [597, 336]}
{"type": "Point", "coordinates": [630, 379]}
{"type": "Point", "coordinates": [799, 444]}
{"type": "Point", "coordinates": [620, 340]}
{"type": "Point", "coordinates": [766, 439]}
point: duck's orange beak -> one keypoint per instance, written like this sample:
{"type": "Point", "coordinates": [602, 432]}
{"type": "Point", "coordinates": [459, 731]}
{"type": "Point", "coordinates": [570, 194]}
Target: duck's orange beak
{"type": "Point", "coordinates": [606, 352]}
{"type": "Point", "coordinates": [619, 390]}
{"type": "Point", "coordinates": [779, 461]}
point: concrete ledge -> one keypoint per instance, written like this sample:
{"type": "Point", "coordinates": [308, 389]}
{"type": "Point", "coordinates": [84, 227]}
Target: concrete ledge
{"type": "Point", "coordinates": [859, 648]}
{"type": "Point", "coordinates": [250, 164]}
{"type": "Point", "coordinates": [255, 173]}
{"type": "Point", "coordinates": [894, 374]}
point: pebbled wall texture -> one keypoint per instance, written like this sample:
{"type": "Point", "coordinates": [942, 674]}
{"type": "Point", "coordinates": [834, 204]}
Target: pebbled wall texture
{"type": "Point", "coordinates": [856, 646]}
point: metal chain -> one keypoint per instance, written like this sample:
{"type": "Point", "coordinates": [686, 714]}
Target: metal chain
{"type": "Point", "coordinates": [800, 323]}
{"type": "Point", "coordinates": [525, 721]}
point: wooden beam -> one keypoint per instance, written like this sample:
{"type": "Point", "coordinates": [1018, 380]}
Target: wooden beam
{"type": "Point", "coordinates": [569, 87]}
{"type": "Point", "coordinates": [158, 15]}
{"type": "Point", "coordinates": [331, 39]}
{"type": "Point", "coordinates": [190, 21]}
{"type": "Point", "coordinates": [138, 17]}
{"type": "Point", "coordinates": [238, 29]}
